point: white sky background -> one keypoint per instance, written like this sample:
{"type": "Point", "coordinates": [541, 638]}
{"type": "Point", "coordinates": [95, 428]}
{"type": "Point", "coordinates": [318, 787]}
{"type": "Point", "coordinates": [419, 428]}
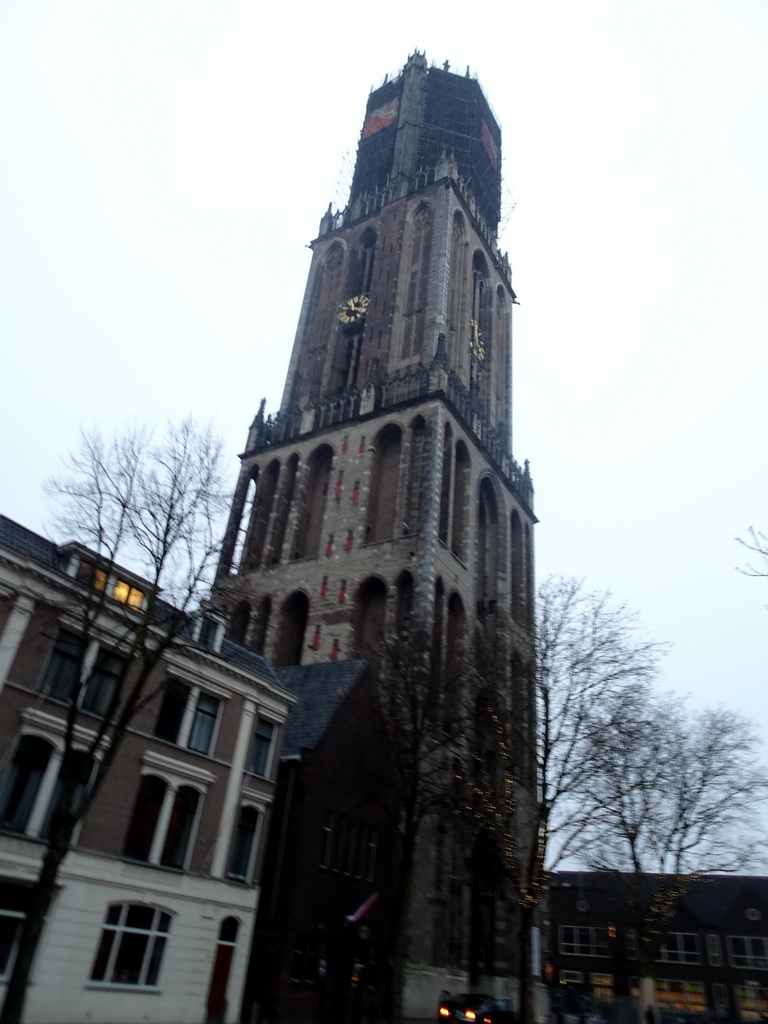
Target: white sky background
{"type": "Point", "coordinates": [164, 164]}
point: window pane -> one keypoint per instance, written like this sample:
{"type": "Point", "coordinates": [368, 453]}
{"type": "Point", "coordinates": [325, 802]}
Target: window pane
{"type": "Point", "coordinates": [153, 967]}
{"type": "Point", "coordinates": [139, 916]}
{"type": "Point", "coordinates": [103, 682]}
{"type": "Point", "coordinates": [130, 947]}
{"type": "Point", "coordinates": [243, 844]}
{"type": "Point", "coordinates": [172, 710]}
{"type": "Point", "coordinates": [10, 925]}
{"type": "Point", "coordinates": [180, 828]}
{"type": "Point", "coordinates": [141, 832]}
{"type": "Point", "coordinates": [204, 723]}
{"type": "Point", "coordinates": [102, 955]}
{"type": "Point", "coordinates": [60, 677]}
{"type": "Point", "coordinates": [261, 744]}
{"type": "Point", "coordinates": [130, 958]}
{"type": "Point", "coordinates": [17, 797]}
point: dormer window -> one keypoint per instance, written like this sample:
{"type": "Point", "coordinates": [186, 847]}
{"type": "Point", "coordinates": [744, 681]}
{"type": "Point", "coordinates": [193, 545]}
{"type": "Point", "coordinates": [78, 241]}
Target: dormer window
{"type": "Point", "coordinates": [120, 590]}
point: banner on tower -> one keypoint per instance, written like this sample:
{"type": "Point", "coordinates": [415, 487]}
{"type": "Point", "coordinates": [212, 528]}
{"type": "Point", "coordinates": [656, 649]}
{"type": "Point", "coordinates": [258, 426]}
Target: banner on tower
{"type": "Point", "coordinates": [380, 118]}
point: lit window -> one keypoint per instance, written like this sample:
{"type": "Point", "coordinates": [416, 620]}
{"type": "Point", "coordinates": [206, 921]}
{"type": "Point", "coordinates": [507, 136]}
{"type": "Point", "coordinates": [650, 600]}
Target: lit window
{"type": "Point", "coordinates": [681, 996]}
{"type": "Point", "coordinates": [126, 594]}
{"type": "Point", "coordinates": [752, 1001]}
{"type": "Point", "coordinates": [22, 782]}
{"type": "Point", "coordinates": [262, 742]}
{"type": "Point", "coordinates": [132, 944]}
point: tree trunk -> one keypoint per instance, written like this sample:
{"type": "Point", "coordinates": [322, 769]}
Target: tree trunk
{"type": "Point", "coordinates": [526, 1007]}
{"type": "Point", "coordinates": [398, 936]}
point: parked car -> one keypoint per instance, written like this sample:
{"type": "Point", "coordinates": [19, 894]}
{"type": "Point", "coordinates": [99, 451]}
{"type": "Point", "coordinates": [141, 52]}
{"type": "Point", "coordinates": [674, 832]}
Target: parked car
{"type": "Point", "coordinates": [476, 1008]}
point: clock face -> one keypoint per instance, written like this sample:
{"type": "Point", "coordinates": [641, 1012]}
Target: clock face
{"type": "Point", "coordinates": [476, 343]}
{"type": "Point", "coordinates": [353, 310]}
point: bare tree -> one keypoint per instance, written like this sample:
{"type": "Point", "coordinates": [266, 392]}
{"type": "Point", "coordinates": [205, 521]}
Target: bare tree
{"type": "Point", "coordinates": [592, 660]}
{"type": "Point", "coordinates": [424, 714]}
{"type": "Point", "coordinates": [758, 545]}
{"type": "Point", "coordinates": [683, 794]}
{"type": "Point", "coordinates": [158, 505]}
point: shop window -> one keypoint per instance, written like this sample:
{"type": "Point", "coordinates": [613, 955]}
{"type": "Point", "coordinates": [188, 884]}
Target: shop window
{"type": "Point", "coordinates": [132, 944]}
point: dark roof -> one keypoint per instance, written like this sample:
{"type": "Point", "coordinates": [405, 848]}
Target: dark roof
{"type": "Point", "coordinates": [248, 659]}
{"type": "Point", "coordinates": [18, 538]}
{"type": "Point", "coordinates": [320, 689]}
{"type": "Point", "coordinates": [709, 898]}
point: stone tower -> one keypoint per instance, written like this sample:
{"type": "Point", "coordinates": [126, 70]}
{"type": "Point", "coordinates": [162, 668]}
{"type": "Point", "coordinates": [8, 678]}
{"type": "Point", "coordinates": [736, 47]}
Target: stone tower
{"type": "Point", "coordinates": [385, 486]}
{"type": "Point", "coordinates": [382, 498]}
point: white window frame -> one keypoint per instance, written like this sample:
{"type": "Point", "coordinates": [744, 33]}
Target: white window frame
{"type": "Point", "coordinates": [17, 915]}
{"type": "Point", "coordinates": [50, 728]}
{"type": "Point", "coordinates": [578, 949]}
{"type": "Point", "coordinates": [188, 717]}
{"type": "Point", "coordinates": [119, 930]}
{"type": "Point", "coordinates": [750, 960]}
{"type": "Point", "coordinates": [267, 773]}
{"type": "Point", "coordinates": [678, 955]}
{"type": "Point", "coordinates": [175, 774]}
{"type": "Point", "coordinates": [90, 656]}
{"type": "Point", "coordinates": [714, 950]}
{"type": "Point", "coordinates": [261, 810]}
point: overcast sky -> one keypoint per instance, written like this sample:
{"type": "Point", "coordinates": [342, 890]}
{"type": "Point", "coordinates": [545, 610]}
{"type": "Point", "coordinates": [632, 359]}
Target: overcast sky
{"type": "Point", "coordinates": [165, 163]}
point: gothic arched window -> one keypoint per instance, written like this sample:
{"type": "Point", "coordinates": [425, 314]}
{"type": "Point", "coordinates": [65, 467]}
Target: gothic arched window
{"type": "Point", "coordinates": [460, 496]}
{"type": "Point", "coordinates": [370, 616]}
{"type": "Point", "coordinates": [417, 282]}
{"type": "Point", "coordinates": [261, 514]}
{"type": "Point", "coordinates": [487, 548]}
{"type": "Point", "coordinates": [317, 480]}
{"type": "Point", "coordinates": [293, 625]}
{"type": "Point", "coordinates": [385, 479]}
{"type": "Point", "coordinates": [457, 283]}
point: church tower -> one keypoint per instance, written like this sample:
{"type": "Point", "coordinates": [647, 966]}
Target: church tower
{"type": "Point", "coordinates": [385, 486]}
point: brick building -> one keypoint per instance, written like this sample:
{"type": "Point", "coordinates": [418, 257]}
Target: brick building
{"type": "Point", "coordinates": [157, 899]}
{"type": "Point", "coordinates": [710, 961]}
{"type": "Point", "coordinates": [382, 498]}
